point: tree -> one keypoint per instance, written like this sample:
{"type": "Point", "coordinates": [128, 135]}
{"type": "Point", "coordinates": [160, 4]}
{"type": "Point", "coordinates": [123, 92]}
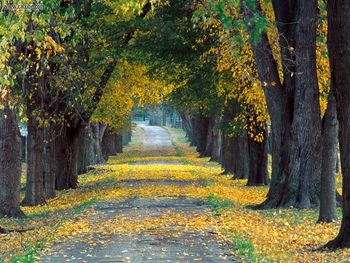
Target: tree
{"type": "Point", "coordinates": [51, 62]}
{"type": "Point", "coordinates": [339, 57]}
{"type": "Point", "coordinates": [328, 202]}
{"type": "Point", "coordinates": [10, 164]}
{"type": "Point", "coordinates": [292, 93]}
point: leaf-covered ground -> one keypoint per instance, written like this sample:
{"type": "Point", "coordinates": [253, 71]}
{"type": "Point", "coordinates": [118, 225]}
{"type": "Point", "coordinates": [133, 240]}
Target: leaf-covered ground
{"type": "Point", "coordinates": [143, 193]}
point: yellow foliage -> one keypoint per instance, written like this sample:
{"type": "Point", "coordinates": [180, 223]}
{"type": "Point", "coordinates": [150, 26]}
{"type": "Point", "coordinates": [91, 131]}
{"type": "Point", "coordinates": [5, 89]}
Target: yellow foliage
{"type": "Point", "coordinates": [278, 235]}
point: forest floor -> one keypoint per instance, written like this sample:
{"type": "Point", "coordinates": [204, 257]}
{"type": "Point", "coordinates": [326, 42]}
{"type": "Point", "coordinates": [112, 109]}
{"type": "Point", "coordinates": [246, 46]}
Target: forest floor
{"type": "Point", "coordinates": [160, 202]}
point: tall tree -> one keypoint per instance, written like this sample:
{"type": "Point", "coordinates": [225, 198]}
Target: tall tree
{"type": "Point", "coordinates": [292, 99]}
{"type": "Point", "coordinates": [10, 164]}
{"type": "Point", "coordinates": [339, 57]}
{"type": "Point", "coordinates": [328, 202]}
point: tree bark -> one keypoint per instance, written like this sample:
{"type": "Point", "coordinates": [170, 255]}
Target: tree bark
{"type": "Point", "coordinates": [85, 152]}
{"type": "Point", "coordinates": [210, 138]}
{"type": "Point", "coordinates": [202, 129]}
{"type": "Point", "coordinates": [69, 142]}
{"type": "Point", "coordinates": [216, 154]}
{"type": "Point", "coordinates": [119, 143]}
{"type": "Point", "coordinates": [35, 166]}
{"type": "Point", "coordinates": [258, 162]}
{"type": "Point", "coordinates": [10, 164]}
{"type": "Point", "coordinates": [339, 57]}
{"type": "Point", "coordinates": [109, 144]}
{"type": "Point", "coordinates": [51, 162]}
{"type": "Point", "coordinates": [228, 158]}
{"type": "Point", "coordinates": [293, 105]}
{"type": "Point", "coordinates": [98, 131]}
{"type": "Point", "coordinates": [328, 202]}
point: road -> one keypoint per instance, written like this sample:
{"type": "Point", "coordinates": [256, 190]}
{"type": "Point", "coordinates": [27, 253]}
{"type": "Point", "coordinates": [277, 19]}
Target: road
{"type": "Point", "coordinates": [170, 245]}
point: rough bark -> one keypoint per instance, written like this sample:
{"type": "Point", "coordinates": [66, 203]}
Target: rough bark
{"type": "Point", "coordinates": [328, 202]}
{"type": "Point", "coordinates": [187, 125]}
{"type": "Point", "coordinates": [210, 138]}
{"type": "Point", "coordinates": [51, 163]}
{"type": "Point", "coordinates": [257, 162]}
{"type": "Point", "coordinates": [216, 153]}
{"type": "Point", "coordinates": [119, 143]}
{"type": "Point", "coordinates": [235, 151]}
{"type": "Point", "coordinates": [293, 105]}
{"type": "Point", "coordinates": [339, 57]}
{"type": "Point", "coordinates": [69, 142]}
{"type": "Point", "coordinates": [109, 144]}
{"type": "Point", "coordinates": [202, 129]}
{"type": "Point", "coordinates": [98, 131]}
{"type": "Point", "coordinates": [228, 161]}
{"type": "Point", "coordinates": [35, 147]}
{"type": "Point", "coordinates": [235, 156]}
{"type": "Point", "coordinates": [10, 164]}
{"type": "Point", "coordinates": [85, 152]}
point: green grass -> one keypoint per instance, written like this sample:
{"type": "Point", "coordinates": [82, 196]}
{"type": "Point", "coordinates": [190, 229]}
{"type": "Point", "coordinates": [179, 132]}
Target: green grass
{"type": "Point", "coordinates": [294, 216]}
{"type": "Point", "coordinates": [206, 182]}
{"type": "Point", "coordinates": [241, 246]}
{"type": "Point", "coordinates": [218, 204]}
{"type": "Point", "coordinates": [30, 255]}
{"type": "Point", "coordinates": [138, 136]}
{"type": "Point", "coordinates": [32, 251]}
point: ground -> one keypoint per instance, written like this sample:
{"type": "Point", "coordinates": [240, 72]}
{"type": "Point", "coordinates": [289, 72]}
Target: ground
{"type": "Point", "coordinates": [160, 202]}
{"type": "Point", "coordinates": [167, 243]}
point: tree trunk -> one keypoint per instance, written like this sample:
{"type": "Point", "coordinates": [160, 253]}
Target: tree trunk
{"type": "Point", "coordinates": [235, 151]}
{"type": "Point", "coordinates": [216, 154]}
{"type": "Point", "coordinates": [228, 158]}
{"type": "Point", "coordinates": [241, 155]}
{"type": "Point", "coordinates": [10, 164]}
{"type": "Point", "coordinates": [67, 151]}
{"type": "Point", "coordinates": [109, 144]}
{"type": "Point", "coordinates": [119, 143]}
{"type": "Point", "coordinates": [257, 162]}
{"type": "Point", "coordinates": [293, 106]}
{"type": "Point", "coordinates": [98, 131]}
{"type": "Point", "coordinates": [202, 129]}
{"type": "Point", "coordinates": [85, 152]}
{"type": "Point", "coordinates": [51, 163]}
{"type": "Point", "coordinates": [339, 57]}
{"type": "Point", "coordinates": [187, 126]}
{"type": "Point", "coordinates": [35, 167]}
{"type": "Point", "coordinates": [328, 202]}
{"type": "Point", "coordinates": [210, 138]}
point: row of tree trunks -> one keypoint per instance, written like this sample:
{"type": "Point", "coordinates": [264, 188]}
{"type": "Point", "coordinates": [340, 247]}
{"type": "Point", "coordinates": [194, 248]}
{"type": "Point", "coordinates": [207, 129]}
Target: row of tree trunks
{"type": "Point", "coordinates": [239, 154]}
{"type": "Point", "coordinates": [69, 154]}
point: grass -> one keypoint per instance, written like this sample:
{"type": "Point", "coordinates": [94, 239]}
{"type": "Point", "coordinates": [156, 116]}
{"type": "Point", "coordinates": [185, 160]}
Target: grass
{"type": "Point", "coordinates": [30, 249]}
{"type": "Point", "coordinates": [277, 235]}
{"type": "Point", "coordinates": [138, 136]}
{"type": "Point", "coordinates": [217, 204]}
{"type": "Point", "coordinates": [243, 247]}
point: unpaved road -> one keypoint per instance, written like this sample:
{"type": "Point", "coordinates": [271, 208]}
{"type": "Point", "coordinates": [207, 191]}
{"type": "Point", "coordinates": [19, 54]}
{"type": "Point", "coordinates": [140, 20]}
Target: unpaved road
{"type": "Point", "coordinates": [189, 246]}
{"type": "Point", "coordinates": [156, 137]}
